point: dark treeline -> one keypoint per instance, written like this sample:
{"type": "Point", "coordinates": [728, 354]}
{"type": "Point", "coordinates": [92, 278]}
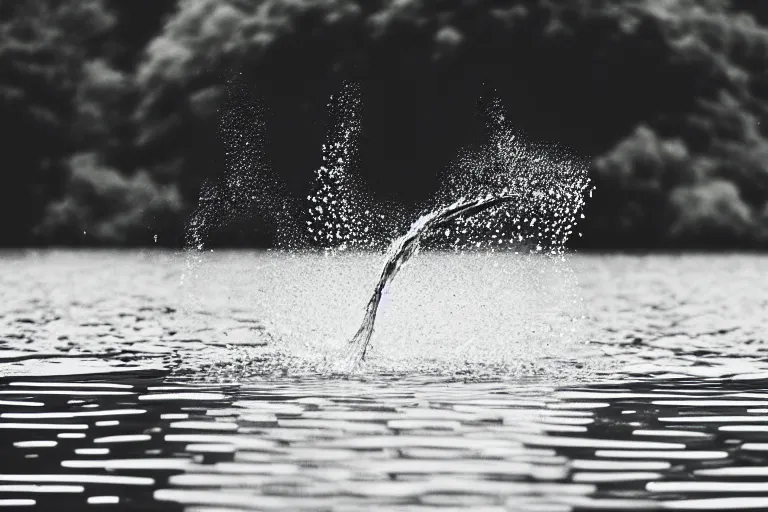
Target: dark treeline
{"type": "Point", "coordinates": [110, 109]}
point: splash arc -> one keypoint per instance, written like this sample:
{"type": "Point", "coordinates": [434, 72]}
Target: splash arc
{"type": "Point", "coordinates": [405, 247]}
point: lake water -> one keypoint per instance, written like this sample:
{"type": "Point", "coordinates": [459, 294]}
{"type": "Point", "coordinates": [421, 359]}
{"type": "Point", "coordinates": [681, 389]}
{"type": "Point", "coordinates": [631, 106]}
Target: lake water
{"type": "Point", "coordinates": [160, 381]}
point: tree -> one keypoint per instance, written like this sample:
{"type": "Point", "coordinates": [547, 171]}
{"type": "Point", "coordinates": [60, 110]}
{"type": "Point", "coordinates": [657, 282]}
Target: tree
{"type": "Point", "coordinates": [675, 90]}
{"type": "Point", "coordinates": [43, 50]}
{"type": "Point", "coordinates": [103, 206]}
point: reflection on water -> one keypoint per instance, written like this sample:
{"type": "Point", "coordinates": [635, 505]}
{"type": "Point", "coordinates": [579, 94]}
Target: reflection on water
{"type": "Point", "coordinates": [114, 397]}
{"type": "Point", "coordinates": [144, 441]}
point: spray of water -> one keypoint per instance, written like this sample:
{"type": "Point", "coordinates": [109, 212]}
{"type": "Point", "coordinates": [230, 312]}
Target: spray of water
{"type": "Point", "coordinates": [515, 185]}
{"type": "Point", "coordinates": [507, 195]}
{"type": "Point", "coordinates": [552, 183]}
{"type": "Point", "coordinates": [245, 185]}
{"type": "Point", "coordinates": [341, 215]}
{"type": "Point", "coordinates": [244, 188]}
{"type": "Point", "coordinates": [407, 245]}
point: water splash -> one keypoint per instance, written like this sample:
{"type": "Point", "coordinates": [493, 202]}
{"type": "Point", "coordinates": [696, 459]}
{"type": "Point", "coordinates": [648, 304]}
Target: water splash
{"type": "Point", "coordinates": [515, 185]}
{"type": "Point", "coordinates": [341, 216]}
{"type": "Point", "coordinates": [245, 187]}
{"type": "Point", "coordinates": [555, 182]}
{"type": "Point", "coordinates": [507, 195]}
{"type": "Point", "coordinates": [406, 246]}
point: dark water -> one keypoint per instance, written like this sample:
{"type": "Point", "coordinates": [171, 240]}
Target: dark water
{"type": "Point", "coordinates": [122, 391]}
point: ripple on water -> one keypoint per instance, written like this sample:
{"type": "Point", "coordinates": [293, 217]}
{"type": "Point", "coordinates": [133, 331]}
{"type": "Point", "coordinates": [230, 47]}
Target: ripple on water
{"type": "Point", "coordinates": [337, 444]}
{"type": "Point", "coordinates": [142, 421]}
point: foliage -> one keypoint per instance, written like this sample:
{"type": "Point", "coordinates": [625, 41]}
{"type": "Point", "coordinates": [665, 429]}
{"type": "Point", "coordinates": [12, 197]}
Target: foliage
{"type": "Point", "coordinates": [103, 206]}
{"type": "Point", "coordinates": [43, 49]}
{"type": "Point", "coordinates": [669, 99]}
{"type": "Point", "coordinates": [60, 95]}
{"type": "Point", "coordinates": [667, 96]}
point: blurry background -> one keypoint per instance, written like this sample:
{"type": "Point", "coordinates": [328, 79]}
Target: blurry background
{"type": "Point", "coordinates": [110, 109]}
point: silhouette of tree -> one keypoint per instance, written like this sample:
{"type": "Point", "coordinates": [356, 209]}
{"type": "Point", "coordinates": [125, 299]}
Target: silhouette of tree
{"type": "Point", "coordinates": [666, 96]}
{"type": "Point", "coordinates": [43, 50]}
{"type": "Point", "coordinates": [669, 98]}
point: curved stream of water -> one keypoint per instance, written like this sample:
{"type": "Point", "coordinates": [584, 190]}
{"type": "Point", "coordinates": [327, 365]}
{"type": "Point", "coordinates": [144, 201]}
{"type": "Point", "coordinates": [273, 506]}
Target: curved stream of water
{"type": "Point", "coordinates": [407, 245]}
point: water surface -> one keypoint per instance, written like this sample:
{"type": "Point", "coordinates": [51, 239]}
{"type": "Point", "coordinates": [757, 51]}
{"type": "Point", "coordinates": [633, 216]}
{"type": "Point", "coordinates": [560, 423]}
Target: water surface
{"type": "Point", "coordinates": [123, 389]}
